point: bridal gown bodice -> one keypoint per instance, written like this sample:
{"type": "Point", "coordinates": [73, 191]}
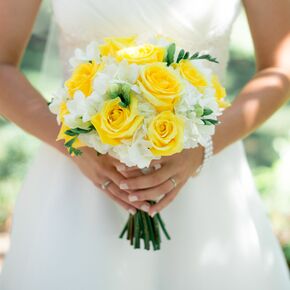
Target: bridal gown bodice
{"type": "Point", "coordinates": [65, 231]}
{"type": "Point", "coordinates": [195, 25]}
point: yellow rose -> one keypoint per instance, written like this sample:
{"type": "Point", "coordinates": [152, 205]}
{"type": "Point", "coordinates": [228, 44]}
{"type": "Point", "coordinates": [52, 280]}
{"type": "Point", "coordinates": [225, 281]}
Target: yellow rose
{"type": "Point", "coordinates": [62, 136]}
{"type": "Point", "coordinates": [116, 123]}
{"type": "Point", "coordinates": [113, 44]}
{"type": "Point", "coordinates": [63, 110]}
{"type": "Point", "coordinates": [142, 54]}
{"type": "Point", "coordinates": [220, 92]}
{"type": "Point", "coordinates": [160, 85]}
{"type": "Point", "coordinates": [165, 132]}
{"type": "Point", "coordinates": [192, 74]}
{"type": "Point", "coordinates": [82, 78]}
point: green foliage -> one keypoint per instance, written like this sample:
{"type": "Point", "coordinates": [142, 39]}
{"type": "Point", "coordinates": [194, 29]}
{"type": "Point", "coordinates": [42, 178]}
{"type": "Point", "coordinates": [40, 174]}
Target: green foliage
{"type": "Point", "coordinates": [170, 53]}
{"type": "Point", "coordinates": [122, 91]}
{"type": "Point", "coordinates": [185, 55]}
{"type": "Point", "coordinates": [77, 131]}
{"type": "Point", "coordinates": [210, 121]}
{"type": "Point", "coordinates": [71, 149]}
{"type": "Point", "coordinates": [208, 57]}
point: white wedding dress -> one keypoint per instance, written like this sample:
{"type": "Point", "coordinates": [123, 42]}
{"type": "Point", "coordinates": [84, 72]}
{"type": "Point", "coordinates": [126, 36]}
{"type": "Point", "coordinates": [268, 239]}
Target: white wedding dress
{"type": "Point", "coordinates": [65, 231]}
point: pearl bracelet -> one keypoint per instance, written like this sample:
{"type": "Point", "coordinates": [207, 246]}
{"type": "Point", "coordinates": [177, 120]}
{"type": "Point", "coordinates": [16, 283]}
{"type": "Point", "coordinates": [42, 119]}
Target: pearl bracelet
{"type": "Point", "coordinates": [207, 154]}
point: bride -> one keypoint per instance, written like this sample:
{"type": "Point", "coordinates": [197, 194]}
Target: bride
{"type": "Point", "coordinates": [65, 228]}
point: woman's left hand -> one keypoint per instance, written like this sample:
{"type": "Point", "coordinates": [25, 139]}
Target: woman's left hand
{"type": "Point", "coordinates": [166, 177]}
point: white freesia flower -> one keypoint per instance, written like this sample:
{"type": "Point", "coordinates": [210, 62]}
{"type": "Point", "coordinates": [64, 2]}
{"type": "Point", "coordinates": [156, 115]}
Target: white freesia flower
{"type": "Point", "coordinates": [205, 132]}
{"type": "Point", "coordinates": [116, 73]}
{"type": "Point", "coordinates": [57, 101]}
{"type": "Point", "coordinates": [208, 100]}
{"type": "Point", "coordinates": [101, 83]}
{"type": "Point", "coordinates": [190, 97]}
{"type": "Point", "coordinates": [93, 140]}
{"type": "Point", "coordinates": [81, 109]}
{"type": "Point", "coordinates": [145, 109]}
{"type": "Point", "coordinates": [136, 153]}
{"type": "Point", "coordinates": [191, 134]}
{"type": "Point", "coordinates": [122, 71]}
{"type": "Point", "coordinates": [127, 72]}
{"type": "Point", "coordinates": [92, 52]}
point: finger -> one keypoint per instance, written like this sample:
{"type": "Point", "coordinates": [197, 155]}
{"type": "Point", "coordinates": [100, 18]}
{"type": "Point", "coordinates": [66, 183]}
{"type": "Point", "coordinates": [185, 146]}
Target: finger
{"type": "Point", "coordinates": [152, 193]}
{"type": "Point", "coordinates": [116, 191]}
{"type": "Point", "coordinates": [123, 204]}
{"type": "Point", "coordinates": [165, 201]}
{"type": "Point", "coordinates": [123, 167]}
{"type": "Point", "coordinates": [152, 179]}
{"type": "Point", "coordinates": [131, 174]}
{"type": "Point", "coordinates": [114, 176]}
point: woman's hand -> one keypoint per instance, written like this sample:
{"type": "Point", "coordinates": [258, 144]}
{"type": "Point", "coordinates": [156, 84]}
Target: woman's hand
{"type": "Point", "coordinates": [101, 168]}
{"type": "Point", "coordinates": [170, 174]}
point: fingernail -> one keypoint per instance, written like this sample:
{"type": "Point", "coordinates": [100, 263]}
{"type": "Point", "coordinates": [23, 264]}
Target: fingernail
{"type": "Point", "coordinates": [121, 167]}
{"type": "Point", "coordinates": [153, 213]}
{"type": "Point", "coordinates": [157, 166]}
{"type": "Point", "coordinates": [124, 186]}
{"type": "Point", "coordinates": [145, 207]}
{"type": "Point", "coordinates": [132, 198]}
{"type": "Point", "coordinates": [132, 211]}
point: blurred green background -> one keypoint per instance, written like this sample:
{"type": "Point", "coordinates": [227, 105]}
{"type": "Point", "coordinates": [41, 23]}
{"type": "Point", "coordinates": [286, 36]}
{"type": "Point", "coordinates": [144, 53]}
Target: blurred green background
{"type": "Point", "coordinates": [268, 149]}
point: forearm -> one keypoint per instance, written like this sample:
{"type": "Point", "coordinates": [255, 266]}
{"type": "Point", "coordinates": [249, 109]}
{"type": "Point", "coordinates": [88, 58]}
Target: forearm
{"type": "Point", "coordinates": [259, 99]}
{"type": "Point", "coordinates": [22, 104]}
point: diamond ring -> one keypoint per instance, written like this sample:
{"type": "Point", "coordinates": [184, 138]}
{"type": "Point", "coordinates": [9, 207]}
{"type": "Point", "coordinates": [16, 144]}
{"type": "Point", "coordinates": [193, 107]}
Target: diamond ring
{"type": "Point", "coordinates": [105, 184]}
{"type": "Point", "coordinates": [173, 181]}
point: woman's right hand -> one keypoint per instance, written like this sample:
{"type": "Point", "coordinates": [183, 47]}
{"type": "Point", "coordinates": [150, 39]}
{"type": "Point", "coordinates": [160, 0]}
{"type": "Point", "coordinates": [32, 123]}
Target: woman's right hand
{"type": "Point", "coordinates": [102, 168]}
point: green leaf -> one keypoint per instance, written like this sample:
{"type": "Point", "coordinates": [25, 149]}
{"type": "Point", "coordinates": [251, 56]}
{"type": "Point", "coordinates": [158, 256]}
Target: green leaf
{"type": "Point", "coordinates": [194, 56]}
{"type": "Point", "coordinates": [122, 91]}
{"type": "Point", "coordinates": [114, 91]}
{"type": "Point", "coordinates": [170, 54]}
{"type": "Point", "coordinates": [207, 111]}
{"type": "Point", "coordinates": [204, 56]}
{"type": "Point", "coordinates": [81, 131]}
{"type": "Point", "coordinates": [186, 55]}
{"type": "Point", "coordinates": [180, 55]}
{"type": "Point", "coordinates": [77, 131]}
{"type": "Point", "coordinates": [70, 142]}
{"type": "Point", "coordinates": [125, 95]}
{"type": "Point", "coordinates": [210, 121]}
{"type": "Point", "coordinates": [198, 110]}
{"type": "Point", "coordinates": [70, 133]}
{"type": "Point", "coordinates": [76, 152]}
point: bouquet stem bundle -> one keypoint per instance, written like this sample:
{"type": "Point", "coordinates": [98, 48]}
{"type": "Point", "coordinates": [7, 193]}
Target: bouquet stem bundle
{"type": "Point", "coordinates": [142, 226]}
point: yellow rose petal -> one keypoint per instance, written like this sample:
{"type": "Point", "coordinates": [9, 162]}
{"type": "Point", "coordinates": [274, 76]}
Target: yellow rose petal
{"type": "Point", "coordinates": [142, 54]}
{"type": "Point", "coordinates": [82, 78]}
{"type": "Point", "coordinates": [114, 44]}
{"type": "Point", "coordinates": [160, 85]}
{"type": "Point", "coordinates": [115, 123]}
{"type": "Point", "coordinates": [220, 92]}
{"type": "Point", "coordinates": [166, 132]}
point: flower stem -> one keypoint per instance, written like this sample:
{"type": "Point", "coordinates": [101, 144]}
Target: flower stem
{"type": "Point", "coordinates": [151, 232]}
{"type": "Point", "coordinates": [163, 226]}
{"type": "Point", "coordinates": [137, 230]}
{"type": "Point", "coordinates": [146, 231]}
{"type": "Point", "coordinates": [124, 230]}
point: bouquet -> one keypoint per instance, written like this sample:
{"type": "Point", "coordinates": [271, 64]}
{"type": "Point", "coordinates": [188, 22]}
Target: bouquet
{"type": "Point", "coordinates": [138, 101]}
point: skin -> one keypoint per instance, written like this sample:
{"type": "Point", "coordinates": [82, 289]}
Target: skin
{"type": "Point", "coordinates": [264, 94]}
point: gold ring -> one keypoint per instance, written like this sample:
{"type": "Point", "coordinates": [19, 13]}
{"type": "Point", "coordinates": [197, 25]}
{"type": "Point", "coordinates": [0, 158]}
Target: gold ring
{"type": "Point", "coordinates": [173, 182]}
{"type": "Point", "coordinates": [105, 184]}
